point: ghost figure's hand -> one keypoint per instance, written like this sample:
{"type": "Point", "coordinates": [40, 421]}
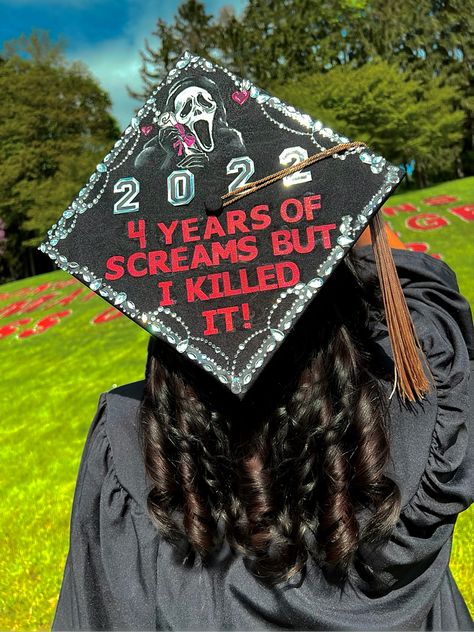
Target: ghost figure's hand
{"type": "Point", "coordinates": [169, 138]}
{"type": "Point", "coordinates": [194, 160]}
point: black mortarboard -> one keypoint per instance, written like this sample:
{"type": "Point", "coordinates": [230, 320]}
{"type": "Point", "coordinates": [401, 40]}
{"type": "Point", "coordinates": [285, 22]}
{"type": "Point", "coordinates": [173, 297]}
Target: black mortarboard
{"type": "Point", "coordinates": [166, 230]}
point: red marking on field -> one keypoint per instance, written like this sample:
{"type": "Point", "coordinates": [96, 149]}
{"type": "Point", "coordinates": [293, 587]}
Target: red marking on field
{"type": "Point", "coordinates": [440, 199]}
{"type": "Point", "coordinates": [426, 221]}
{"type": "Point", "coordinates": [466, 212]}
{"type": "Point", "coordinates": [422, 246]}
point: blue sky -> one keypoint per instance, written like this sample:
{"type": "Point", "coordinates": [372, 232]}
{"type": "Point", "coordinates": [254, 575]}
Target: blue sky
{"type": "Point", "coordinates": [105, 34]}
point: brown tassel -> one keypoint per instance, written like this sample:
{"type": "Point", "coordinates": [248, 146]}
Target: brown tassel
{"type": "Point", "coordinates": [412, 382]}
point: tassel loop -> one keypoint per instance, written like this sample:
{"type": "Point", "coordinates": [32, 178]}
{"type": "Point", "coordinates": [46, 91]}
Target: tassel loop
{"type": "Point", "coordinates": [410, 378]}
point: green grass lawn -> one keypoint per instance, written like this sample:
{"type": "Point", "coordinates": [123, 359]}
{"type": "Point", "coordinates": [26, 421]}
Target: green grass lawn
{"type": "Point", "coordinates": [49, 392]}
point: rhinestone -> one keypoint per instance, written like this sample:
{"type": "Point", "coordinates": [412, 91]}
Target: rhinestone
{"type": "Point", "coordinates": [277, 334]}
{"type": "Point", "coordinates": [316, 282]}
{"type": "Point", "coordinates": [247, 378]}
{"type": "Point", "coordinates": [101, 167]}
{"type": "Point", "coordinates": [317, 125]}
{"type": "Point", "coordinates": [104, 291]}
{"type": "Point", "coordinates": [182, 346]}
{"type": "Point", "coordinates": [344, 241]}
{"type": "Point", "coordinates": [72, 265]}
{"type": "Point", "coordinates": [236, 385]}
{"type": "Point", "coordinates": [182, 63]}
{"type": "Point", "coordinates": [120, 298]}
{"type": "Point", "coordinates": [95, 285]}
{"type": "Point", "coordinates": [392, 177]}
{"type": "Point", "coordinates": [86, 276]}
{"type": "Point", "coordinates": [326, 131]}
{"type": "Point", "coordinates": [68, 213]}
{"type": "Point", "coordinates": [262, 98]}
{"type": "Point", "coordinates": [365, 157]}
{"type": "Point", "coordinates": [254, 92]}
{"type": "Point", "coordinates": [130, 305]}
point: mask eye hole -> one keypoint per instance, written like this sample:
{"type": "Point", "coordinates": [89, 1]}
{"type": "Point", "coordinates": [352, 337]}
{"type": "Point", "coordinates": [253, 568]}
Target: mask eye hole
{"type": "Point", "coordinates": [206, 103]}
{"type": "Point", "coordinates": [186, 108]}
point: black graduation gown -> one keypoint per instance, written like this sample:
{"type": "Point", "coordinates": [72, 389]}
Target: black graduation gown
{"type": "Point", "coordinates": [119, 574]}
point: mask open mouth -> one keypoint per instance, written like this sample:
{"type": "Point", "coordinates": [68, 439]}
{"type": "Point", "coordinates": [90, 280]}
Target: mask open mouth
{"type": "Point", "coordinates": [203, 134]}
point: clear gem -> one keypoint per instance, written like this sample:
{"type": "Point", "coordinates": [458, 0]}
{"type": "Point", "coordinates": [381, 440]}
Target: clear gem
{"type": "Point", "coordinates": [101, 167]}
{"type": "Point", "coordinates": [183, 345]}
{"type": "Point", "coordinates": [254, 92]}
{"type": "Point", "coordinates": [130, 305]}
{"type": "Point", "coordinates": [344, 241]}
{"type": "Point", "coordinates": [68, 213]}
{"type": "Point", "coordinates": [316, 282]}
{"type": "Point", "coordinates": [277, 334]}
{"type": "Point", "coordinates": [236, 385]}
{"type": "Point", "coordinates": [120, 298]}
{"type": "Point", "coordinates": [247, 378]}
{"type": "Point", "coordinates": [365, 157]}
{"type": "Point", "coordinates": [317, 125]}
{"type": "Point", "coordinates": [95, 285]}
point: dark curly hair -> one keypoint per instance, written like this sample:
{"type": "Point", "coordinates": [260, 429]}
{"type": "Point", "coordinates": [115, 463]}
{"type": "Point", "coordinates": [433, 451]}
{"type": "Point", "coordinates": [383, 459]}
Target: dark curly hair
{"type": "Point", "coordinates": [283, 474]}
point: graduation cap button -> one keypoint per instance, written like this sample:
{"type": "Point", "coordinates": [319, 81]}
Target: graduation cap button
{"type": "Point", "coordinates": [213, 204]}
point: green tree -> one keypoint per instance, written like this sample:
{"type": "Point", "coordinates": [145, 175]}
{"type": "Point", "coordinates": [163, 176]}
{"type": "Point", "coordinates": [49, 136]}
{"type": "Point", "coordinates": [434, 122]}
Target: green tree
{"type": "Point", "coordinates": [275, 42]}
{"type": "Point", "coordinates": [387, 109]}
{"type": "Point", "coordinates": [192, 30]}
{"type": "Point", "coordinates": [425, 38]}
{"type": "Point", "coordinates": [55, 127]}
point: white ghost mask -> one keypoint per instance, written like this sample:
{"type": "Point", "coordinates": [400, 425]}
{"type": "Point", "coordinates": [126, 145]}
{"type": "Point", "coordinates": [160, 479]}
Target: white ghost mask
{"type": "Point", "coordinates": [196, 108]}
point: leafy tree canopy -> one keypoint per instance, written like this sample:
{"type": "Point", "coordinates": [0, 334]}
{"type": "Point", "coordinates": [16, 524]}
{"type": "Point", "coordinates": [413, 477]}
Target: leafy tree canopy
{"type": "Point", "coordinates": [55, 126]}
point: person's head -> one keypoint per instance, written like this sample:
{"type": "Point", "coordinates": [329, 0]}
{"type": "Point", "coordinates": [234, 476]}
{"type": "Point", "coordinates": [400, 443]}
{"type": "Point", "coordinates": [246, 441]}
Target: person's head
{"type": "Point", "coordinates": [284, 472]}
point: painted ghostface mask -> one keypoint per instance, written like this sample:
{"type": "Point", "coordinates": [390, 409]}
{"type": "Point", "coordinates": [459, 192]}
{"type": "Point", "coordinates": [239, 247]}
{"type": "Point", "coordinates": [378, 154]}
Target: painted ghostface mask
{"type": "Point", "coordinates": [223, 285]}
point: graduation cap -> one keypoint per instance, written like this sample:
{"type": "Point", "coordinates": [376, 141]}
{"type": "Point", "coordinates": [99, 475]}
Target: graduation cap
{"type": "Point", "coordinates": [216, 218]}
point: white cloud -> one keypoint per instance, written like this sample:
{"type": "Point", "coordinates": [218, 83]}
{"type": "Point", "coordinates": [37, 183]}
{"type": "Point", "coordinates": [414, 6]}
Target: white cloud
{"type": "Point", "coordinates": [116, 62]}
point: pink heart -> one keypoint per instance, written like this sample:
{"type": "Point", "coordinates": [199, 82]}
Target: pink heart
{"type": "Point", "coordinates": [240, 97]}
{"type": "Point", "coordinates": [146, 129]}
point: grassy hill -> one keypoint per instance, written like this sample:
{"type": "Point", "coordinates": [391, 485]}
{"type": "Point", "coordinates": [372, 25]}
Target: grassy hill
{"type": "Point", "coordinates": [61, 346]}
